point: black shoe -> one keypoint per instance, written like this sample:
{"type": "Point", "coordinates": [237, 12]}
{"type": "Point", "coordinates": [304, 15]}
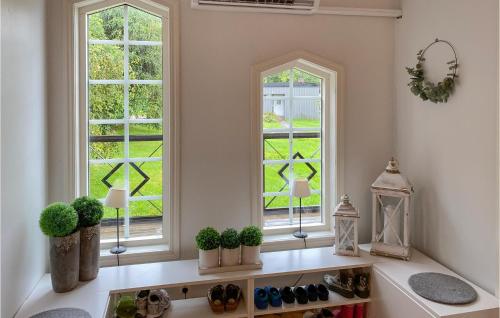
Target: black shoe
{"type": "Point", "coordinates": [287, 295]}
{"type": "Point", "coordinates": [301, 295]}
{"type": "Point", "coordinates": [312, 292]}
{"type": "Point", "coordinates": [323, 292]}
{"type": "Point", "coordinates": [361, 288]}
{"type": "Point", "coordinates": [326, 313]}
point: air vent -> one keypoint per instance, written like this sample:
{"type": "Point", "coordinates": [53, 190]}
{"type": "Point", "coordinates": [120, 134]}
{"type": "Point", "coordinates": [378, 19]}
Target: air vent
{"type": "Point", "coordinates": [281, 5]}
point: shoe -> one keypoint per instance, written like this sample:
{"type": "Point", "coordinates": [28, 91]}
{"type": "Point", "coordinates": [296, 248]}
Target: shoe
{"type": "Point", "coordinates": [361, 288]}
{"type": "Point", "coordinates": [287, 295]}
{"type": "Point", "coordinates": [274, 296]}
{"type": "Point", "coordinates": [232, 297]}
{"type": "Point", "coordinates": [340, 283]}
{"type": "Point", "coordinates": [323, 292]}
{"type": "Point", "coordinates": [327, 313]}
{"type": "Point", "coordinates": [301, 295]}
{"type": "Point", "coordinates": [141, 302]}
{"type": "Point", "coordinates": [216, 299]}
{"type": "Point", "coordinates": [158, 302]}
{"type": "Point", "coordinates": [126, 307]}
{"type": "Point", "coordinates": [261, 298]}
{"type": "Point", "coordinates": [312, 292]}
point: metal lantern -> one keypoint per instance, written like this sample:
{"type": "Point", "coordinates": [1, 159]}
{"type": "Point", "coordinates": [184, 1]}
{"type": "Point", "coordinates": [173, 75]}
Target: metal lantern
{"type": "Point", "coordinates": [391, 196]}
{"type": "Point", "coordinates": [346, 228]}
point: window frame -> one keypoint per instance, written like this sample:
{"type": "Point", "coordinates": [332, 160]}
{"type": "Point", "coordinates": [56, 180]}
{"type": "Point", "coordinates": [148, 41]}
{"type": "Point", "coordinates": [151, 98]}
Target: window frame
{"type": "Point", "coordinates": [331, 136]}
{"type": "Point", "coordinates": [168, 11]}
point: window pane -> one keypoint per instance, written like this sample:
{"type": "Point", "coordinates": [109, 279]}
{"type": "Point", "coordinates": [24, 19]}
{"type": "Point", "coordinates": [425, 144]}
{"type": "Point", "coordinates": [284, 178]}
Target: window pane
{"type": "Point", "coordinates": [146, 218]}
{"type": "Point", "coordinates": [276, 103]}
{"type": "Point", "coordinates": [276, 178]}
{"type": "Point", "coordinates": [307, 113]}
{"type": "Point", "coordinates": [276, 211]}
{"type": "Point", "coordinates": [307, 147]}
{"type": "Point", "coordinates": [145, 178]}
{"type": "Point", "coordinates": [311, 209]}
{"type": "Point", "coordinates": [145, 62]}
{"type": "Point", "coordinates": [143, 26]}
{"type": "Point", "coordinates": [103, 176]}
{"type": "Point", "coordinates": [106, 24]}
{"type": "Point", "coordinates": [105, 62]}
{"type": "Point", "coordinates": [311, 171]}
{"type": "Point", "coordinates": [145, 101]}
{"type": "Point", "coordinates": [105, 141]}
{"type": "Point", "coordinates": [276, 146]}
{"type": "Point", "coordinates": [146, 140]}
{"type": "Point", "coordinates": [105, 101]}
{"type": "Point", "coordinates": [306, 84]}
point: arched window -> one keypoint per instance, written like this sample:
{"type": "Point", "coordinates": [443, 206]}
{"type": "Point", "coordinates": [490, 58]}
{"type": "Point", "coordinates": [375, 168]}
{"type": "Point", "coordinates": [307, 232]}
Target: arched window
{"type": "Point", "coordinates": [126, 115]}
{"type": "Point", "coordinates": [296, 136]}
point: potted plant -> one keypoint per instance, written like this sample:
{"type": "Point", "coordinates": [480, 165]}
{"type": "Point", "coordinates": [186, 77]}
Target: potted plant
{"type": "Point", "coordinates": [59, 221]}
{"type": "Point", "coordinates": [90, 212]}
{"type": "Point", "coordinates": [208, 242]}
{"type": "Point", "coordinates": [230, 243]}
{"type": "Point", "coordinates": [251, 240]}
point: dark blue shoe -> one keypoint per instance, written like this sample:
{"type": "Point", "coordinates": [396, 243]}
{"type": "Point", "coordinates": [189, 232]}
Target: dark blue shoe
{"type": "Point", "coordinates": [274, 296]}
{"type": "Point", "coordinates": [261, 298]}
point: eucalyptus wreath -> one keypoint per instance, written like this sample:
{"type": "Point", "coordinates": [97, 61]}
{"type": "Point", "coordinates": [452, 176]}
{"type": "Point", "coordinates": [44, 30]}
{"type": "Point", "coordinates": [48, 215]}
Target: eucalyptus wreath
{"type": "Point", "coordinates": [427, 90]}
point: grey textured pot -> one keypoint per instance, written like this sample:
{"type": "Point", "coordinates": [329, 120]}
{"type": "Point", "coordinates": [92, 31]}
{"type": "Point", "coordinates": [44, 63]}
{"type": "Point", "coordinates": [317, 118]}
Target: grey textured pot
{"type": "Point", "coordinates": [65, 262]}
{"type": "Point", "coordinates": [90, 238]}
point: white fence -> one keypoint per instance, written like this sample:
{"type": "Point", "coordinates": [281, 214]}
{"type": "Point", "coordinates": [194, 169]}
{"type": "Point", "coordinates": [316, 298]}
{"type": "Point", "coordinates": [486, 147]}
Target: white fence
{"type": "Point", "coordinates": [306, 100]}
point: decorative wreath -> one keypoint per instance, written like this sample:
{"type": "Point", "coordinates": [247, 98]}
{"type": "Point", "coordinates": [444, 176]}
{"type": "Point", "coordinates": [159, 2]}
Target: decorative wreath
{"type": "Point", "coordinates": [427, 90]}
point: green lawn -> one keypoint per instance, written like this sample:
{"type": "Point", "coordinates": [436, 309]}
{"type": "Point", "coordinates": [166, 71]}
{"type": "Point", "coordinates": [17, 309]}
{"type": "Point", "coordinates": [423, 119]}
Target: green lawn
{"type": "Point", "coordinates": [274, 149]}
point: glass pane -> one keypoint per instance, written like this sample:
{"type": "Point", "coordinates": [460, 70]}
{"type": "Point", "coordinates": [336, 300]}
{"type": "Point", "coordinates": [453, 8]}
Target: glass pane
{"type": "Point", "coordinates": [276, 103]}
{"type": "Point", "coordinates": [143, 26]}
{"type": "Point", "coordinates": [276, 211]}
{"type": "Point", "coordinates": [309, 170]}
{"type": "Point", "coordinates": [145, 101]}
{"type": "Point", "coordinates": [105, 62]}
{"type": "Point", "coordinates": [307, 147]}
{"type": "Point", "coordinates": [145, 62]}
{"type": "Point", "coordinates": [146, 218]}
{"type": "Point", "coordinates": [346, 235]}
{"type": "Point", "coordinates": [276, 178]}
{"type": "Point", "coordinates": [105, 141]}
{"type": "Point", "coordinates": [145, 178]}
{"type": "Point", "coordinates": [106, 101]}
{"type": "Point", "coordinates": [306, 84]}
{"type": "Point", "coordinates": [106, 24]}
{"type": "Point", "coordinates": [311, 209]}
{"type": "Point", "coordinates": [146, 140]}
{"type": "Point", "coordinates": [103, 176]}
{"type": "Point", "coordinates": [306, 113]}
{"type": "Point", "coordinates": [276, 146]}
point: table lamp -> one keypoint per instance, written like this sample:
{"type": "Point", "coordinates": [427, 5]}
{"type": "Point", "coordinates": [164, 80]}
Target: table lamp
{"type": "Point", "coordinates": [117, 198]}
{"type": "Point", "coordinates": [300, 189]}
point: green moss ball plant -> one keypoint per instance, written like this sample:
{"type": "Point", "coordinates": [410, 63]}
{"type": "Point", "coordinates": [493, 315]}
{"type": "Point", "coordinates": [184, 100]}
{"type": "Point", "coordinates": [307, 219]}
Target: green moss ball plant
{"type": "Point", "coordinates": [208, 239]}
{"type": "Point", "coordinates": [230, 239]}
{"type": "Point", "coordinates": [90, 211]}
{"type": "Point", "coordinates": [58, 220]}
{"type": "Point", "coordinates": [251, 236]}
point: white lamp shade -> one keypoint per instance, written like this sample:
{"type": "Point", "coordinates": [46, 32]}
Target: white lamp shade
{"type": "Point", "coordinates": [116, 198]}
{"type": "Point", "coordinates": [300, 188]}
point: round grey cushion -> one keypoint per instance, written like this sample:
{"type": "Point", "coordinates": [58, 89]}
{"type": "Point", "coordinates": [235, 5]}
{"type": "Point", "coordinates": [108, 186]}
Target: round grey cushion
{"type": "Point", "coordinates": [441, 288]}
{"type": "Point", "coordinates": [63, 313]}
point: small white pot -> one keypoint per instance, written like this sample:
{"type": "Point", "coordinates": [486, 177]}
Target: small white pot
{"type": "Point", "coordinates": [209, 259]}
{"type": "Point", "coordinates": [230, 256]}
{"type": "Point", "coordinates": [250, 254]}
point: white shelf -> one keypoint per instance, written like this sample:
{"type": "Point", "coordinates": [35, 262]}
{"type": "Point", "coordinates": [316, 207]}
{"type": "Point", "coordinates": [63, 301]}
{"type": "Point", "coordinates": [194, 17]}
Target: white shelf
{"type": "Point", "coordinates": [199, 307]}
{"type": "Point", "coordinates": [334, 300]}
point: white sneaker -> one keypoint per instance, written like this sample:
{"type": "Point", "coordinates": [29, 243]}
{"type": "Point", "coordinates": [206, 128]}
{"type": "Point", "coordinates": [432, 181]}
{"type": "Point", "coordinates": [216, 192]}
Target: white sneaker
{"type": "Point", "coordinates": [158, 302]}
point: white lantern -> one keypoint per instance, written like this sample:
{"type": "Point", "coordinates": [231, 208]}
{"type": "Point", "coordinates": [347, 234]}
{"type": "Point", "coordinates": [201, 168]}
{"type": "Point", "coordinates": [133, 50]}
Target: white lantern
{"type": "Point", "coordinates": [391, 198]}
{"type": "Point", "coordinates": [346, 228]}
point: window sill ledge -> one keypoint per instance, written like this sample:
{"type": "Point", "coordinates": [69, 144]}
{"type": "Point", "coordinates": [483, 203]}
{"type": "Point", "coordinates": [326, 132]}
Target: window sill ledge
{"type": "Point", "coordinates": [138, 255]}
{"type": "Point", "coordinates": [280, 242]}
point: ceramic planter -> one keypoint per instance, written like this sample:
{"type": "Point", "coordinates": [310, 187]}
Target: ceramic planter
{"type": "Point", "coordinates": [64, 262]}
{"type": "Point", "coordinates": [230, 256]}
{"type": "Point", "coordinates": [89, 252]}
{"type": "Point", "coordinates": [250, 254]}
{"type": "Point", "coordinates": [209, 259]}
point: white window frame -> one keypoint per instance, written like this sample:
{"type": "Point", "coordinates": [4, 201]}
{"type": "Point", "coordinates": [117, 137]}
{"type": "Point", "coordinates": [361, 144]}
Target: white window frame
{"type": "Point", "coordinates": [168, 11]}
{"type": "Point", "coordinates": [331, 134]}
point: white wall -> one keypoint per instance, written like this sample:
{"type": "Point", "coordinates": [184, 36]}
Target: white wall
{"type": "Point", "coordinates": [449, 151]}
{"type": "Point", "coordinates": [23, 149]}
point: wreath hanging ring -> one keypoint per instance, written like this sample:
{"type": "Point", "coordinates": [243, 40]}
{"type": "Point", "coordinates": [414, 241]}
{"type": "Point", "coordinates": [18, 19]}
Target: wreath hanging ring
{"type": "Point", "coordinates": [427, 90]}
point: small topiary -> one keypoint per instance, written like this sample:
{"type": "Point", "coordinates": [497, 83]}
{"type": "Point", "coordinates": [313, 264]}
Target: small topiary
{"type": "Point", "coordinates": [208, 239]}
{"type": "Point", "coordinates": [251, 236]}
{"type": "Point", "coordinates": [58, 220]}
{"type": "Point", "coordinates": [90, 211]}
{"type": "Point", "coordinates": [230, 239]}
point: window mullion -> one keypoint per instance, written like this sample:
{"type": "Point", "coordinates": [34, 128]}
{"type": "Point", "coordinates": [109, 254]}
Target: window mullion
{"type": "Point", "coordinates": [290, 145]}
{"type": "Point", "coordinates": [126, 128]}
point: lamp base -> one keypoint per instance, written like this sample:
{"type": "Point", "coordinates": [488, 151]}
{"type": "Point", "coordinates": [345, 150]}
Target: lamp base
{"type": "Point", "coordinates": [300, 234]}
{"type": "Point", "coordinates": [118, 249]}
